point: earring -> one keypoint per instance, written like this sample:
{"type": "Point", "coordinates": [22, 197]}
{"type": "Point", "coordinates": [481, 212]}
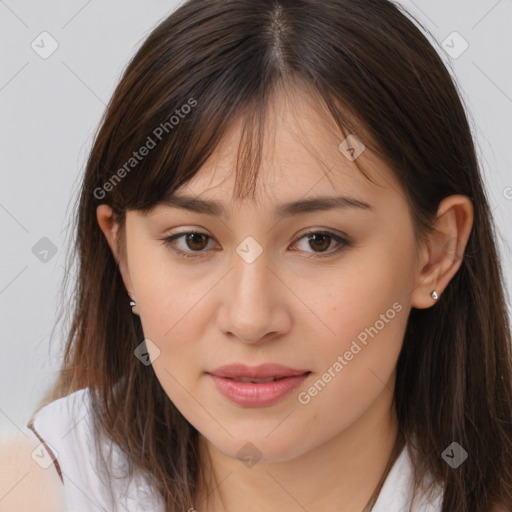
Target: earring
{"type": "Point", "coordinates": [133, 304]}
{"type": "Point", "coordinates": [434, 295]}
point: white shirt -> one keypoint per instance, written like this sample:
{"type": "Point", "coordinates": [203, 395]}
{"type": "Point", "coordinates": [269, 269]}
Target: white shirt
{"type": "Point", "coordinates": [65, 428]}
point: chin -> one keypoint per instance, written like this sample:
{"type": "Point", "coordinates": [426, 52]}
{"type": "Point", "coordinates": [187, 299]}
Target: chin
{"type": "Point", "coordinates": [260, 449]}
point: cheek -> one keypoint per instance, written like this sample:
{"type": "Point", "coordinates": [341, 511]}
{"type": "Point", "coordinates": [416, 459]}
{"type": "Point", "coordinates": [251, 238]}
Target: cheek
{"type": "Point", "coordinates": [365, 309]}
{"type": "Point", "coordinates": [356, 365]}
{"type": "Point", "coordinates": [360, 292]}
{"type": "Point", "coordinates": [172, 312]}
{"type": "Point", "coordinates": [169, 298]}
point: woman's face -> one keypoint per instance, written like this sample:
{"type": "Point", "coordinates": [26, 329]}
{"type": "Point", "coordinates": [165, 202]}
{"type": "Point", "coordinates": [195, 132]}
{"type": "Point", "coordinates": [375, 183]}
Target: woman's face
{"type": "Point", "coordinates": [257, 290]}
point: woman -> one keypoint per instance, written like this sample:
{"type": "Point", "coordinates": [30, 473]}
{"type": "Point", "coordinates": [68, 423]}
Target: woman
{"type": "Point", "coordinates": [287, 195]}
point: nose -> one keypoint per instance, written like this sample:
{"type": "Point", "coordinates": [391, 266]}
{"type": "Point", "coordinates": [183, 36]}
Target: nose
{"type": "Point", "coordinates": [254, 304]}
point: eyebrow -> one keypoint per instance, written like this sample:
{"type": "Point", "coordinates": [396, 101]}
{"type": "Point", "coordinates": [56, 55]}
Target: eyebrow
{"type": "Point", "coordinates": [320, 203]}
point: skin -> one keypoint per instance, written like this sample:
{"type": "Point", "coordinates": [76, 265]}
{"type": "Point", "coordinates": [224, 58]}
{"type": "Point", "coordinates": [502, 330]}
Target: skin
{"type": "Point", "coordinates": [286, 307]}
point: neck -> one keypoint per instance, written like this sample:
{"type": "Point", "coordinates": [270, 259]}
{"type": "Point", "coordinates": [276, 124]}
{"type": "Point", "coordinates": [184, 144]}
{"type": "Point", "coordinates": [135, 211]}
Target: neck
{"type": "Point", "coordinates": [343, 474]}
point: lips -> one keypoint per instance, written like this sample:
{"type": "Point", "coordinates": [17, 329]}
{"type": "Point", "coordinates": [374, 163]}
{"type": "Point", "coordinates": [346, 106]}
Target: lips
{"type": "Point", "coordinates": [268, 371]}
{"type": "Point", "coordinates": [258, 386]}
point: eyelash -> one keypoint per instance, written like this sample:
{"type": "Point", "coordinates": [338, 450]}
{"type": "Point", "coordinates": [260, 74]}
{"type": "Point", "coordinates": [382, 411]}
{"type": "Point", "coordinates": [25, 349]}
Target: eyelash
{"type": "Point", "coordinates": [168, 242]}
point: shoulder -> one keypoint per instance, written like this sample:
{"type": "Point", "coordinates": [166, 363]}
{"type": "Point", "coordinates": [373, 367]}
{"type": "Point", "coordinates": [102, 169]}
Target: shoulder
{"type": "Point", "coordinates": [65, 419]}
{"type": "Point", "coordinates": [67, 427]}
{"type": "Point", "coordinates": [66, 407]}
{"type": "Point", "coordinates": [26, 481]}
{"type": "Point", "coordinates": [63, 426]}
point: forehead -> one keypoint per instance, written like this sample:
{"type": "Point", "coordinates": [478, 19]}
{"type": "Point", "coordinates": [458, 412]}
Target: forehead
{"type": "Point", "coordinates": [300, 157]}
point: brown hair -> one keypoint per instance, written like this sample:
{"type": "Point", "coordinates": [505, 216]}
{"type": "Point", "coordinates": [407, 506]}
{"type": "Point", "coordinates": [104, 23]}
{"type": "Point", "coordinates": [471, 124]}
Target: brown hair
{"type": "Point", "coordinates": [379, 77]}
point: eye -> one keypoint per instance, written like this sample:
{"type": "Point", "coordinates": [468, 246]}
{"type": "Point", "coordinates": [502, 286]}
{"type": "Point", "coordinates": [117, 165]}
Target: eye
{"type": "Point", "coordinates": [196, 242]}
{"type": "Point", "coordinates": [321, 240]}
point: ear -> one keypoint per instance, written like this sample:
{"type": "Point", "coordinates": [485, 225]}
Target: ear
{"type": "Point", "coordinates": [110, 229]}
{"type": "Point", "coordinates": [441, 254]}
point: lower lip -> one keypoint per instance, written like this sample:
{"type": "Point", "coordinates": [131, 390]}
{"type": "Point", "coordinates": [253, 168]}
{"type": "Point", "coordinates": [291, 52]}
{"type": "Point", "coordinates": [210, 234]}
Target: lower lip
{"type": "Point", "coordinates": [254, 394]}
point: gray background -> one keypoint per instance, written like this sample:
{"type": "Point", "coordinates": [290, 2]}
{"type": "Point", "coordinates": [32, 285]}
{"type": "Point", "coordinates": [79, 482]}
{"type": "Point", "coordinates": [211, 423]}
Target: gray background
{"type": "Point", "coordinates": [51, 107]}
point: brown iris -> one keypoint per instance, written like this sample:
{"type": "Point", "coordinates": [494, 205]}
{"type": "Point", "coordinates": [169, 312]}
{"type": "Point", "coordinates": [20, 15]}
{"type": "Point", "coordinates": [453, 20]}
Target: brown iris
{"type": "Point", "coordinates": [313, 238]}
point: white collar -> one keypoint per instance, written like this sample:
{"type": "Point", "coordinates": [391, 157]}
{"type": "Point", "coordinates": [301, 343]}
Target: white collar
{"type": "Point", "coordinates": [396, 492]}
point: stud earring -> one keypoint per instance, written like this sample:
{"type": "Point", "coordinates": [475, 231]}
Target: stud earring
{"type": "Point", "coordinates": [434, 295]}
{"type": "Point", "coordinates": [132, 303]}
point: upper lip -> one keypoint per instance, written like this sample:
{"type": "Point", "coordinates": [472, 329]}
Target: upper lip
{"type": "Point", "coordinates": [256, 372]}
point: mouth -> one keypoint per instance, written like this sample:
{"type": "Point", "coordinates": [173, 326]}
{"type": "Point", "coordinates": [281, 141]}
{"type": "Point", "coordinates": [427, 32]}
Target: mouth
{"type": "Point", "coordinates": [257, 386]}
